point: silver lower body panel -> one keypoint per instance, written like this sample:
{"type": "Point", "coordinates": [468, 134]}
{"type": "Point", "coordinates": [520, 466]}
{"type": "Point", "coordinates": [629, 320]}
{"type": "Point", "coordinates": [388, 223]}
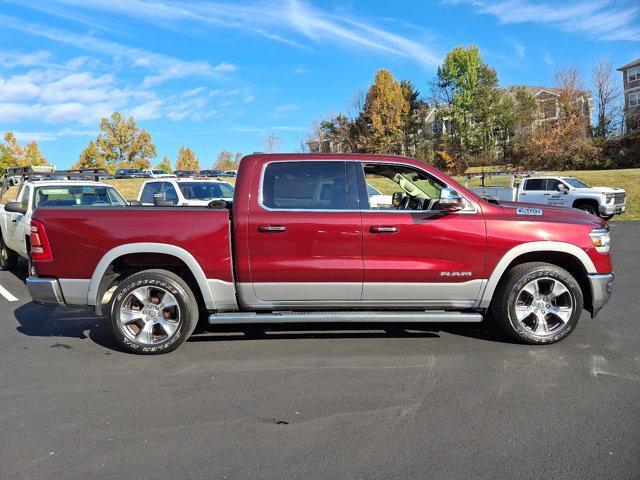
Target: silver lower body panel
{"type": "Point", "coordinates": [435, 316]}
{"type": "Point", "coordinates": [601, 288]}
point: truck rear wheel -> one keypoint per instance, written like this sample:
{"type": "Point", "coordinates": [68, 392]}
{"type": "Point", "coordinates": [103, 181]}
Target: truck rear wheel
{"type": "Point", "coordinates": [8, 258]}
{"type": "Point", "coordinates": [153, 312]}
{"type": "Point", "coordinates": [538, 303]}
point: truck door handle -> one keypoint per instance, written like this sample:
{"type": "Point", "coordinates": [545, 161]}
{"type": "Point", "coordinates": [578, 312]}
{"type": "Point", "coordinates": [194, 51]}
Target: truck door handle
{"type": "Point", "coordinates": [383, 229]}
{"type": "Point", "coordinates": [272, 228]}
{"type": "Point", "coordinates": [546, 194]}
{"type": "Point", "coordinates": [14, 220]}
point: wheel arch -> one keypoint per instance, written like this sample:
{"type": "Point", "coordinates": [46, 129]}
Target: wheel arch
{"type": "Point", "coordinates": [585, 201]}
{"type": "Point", "coordinates": [103, 277]}
{"type": "Point", "coordinates": [562, 254]}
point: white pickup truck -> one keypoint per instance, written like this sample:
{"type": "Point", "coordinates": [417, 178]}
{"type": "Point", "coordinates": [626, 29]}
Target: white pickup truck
{"type": "Point", "coordinates": [15, 217]}
{"type": "Point", "coordinates": [562, 191]}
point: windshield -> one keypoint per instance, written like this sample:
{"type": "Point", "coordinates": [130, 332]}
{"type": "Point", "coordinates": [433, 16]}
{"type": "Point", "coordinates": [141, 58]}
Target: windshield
{"type": "Point", "coordinates": [77, 195]}
{"type": "Point", "coordinates": [574, 182]}
{"type": "Point", "coordinates": [159, 172]}
{"type": "Point", "coordinates": [205, 190]}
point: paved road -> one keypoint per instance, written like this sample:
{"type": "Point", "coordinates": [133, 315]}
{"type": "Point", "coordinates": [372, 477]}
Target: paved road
{"type": "Point", "coordinates": [438, 402]}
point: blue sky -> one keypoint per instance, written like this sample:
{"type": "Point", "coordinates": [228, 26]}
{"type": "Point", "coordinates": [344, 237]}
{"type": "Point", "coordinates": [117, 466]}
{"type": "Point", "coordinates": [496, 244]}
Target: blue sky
{"type": "Point", "coordinates": [222, 75]}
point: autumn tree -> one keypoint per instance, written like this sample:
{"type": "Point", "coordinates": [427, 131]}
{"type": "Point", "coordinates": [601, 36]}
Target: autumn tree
{"type": "Point", "coordinates": [165, 164]}
{"type": "Point", "coordinates": [607, 92]}
{"type": "Point", "coordinates": [270, 144]}
{"type": "Point", "coordinates": [90, 157]}
{"type": "Point", "coordinates": [385, 111]}
{"type": "Point", "coordinates": [123, 145]}
{"type": "Point", "coordinates": [12, 154]}
{"type": "Point", "coordinates": [225, 161]}
{"type": "Point", "coordinates": [187, 160]}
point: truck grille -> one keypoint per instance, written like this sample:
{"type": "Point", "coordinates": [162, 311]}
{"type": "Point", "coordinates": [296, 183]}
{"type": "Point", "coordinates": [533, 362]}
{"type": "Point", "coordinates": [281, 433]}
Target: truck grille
{"type": "Point", "coordinates": [619, 198]}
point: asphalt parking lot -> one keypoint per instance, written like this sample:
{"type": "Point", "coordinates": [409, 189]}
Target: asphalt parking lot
{"type": "Point", "coordinates": [430, 402]}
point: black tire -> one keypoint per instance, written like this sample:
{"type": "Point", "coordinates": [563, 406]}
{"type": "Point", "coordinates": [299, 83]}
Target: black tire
{"type": "Point", "coordinates": [589, 208]}
{"type": "Point", "coordinates": [606, 217]}
{"type": "Point", "coordinates": [509, 291]}
{"type": "Point", "coordinates": [157, 280]}
{"type": "Point", "coordinates": [8, 258]}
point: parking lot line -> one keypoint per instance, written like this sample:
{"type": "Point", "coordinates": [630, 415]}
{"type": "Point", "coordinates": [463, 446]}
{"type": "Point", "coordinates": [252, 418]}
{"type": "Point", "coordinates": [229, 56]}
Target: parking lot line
{"type": "Point", "coordinates": [7, 294]}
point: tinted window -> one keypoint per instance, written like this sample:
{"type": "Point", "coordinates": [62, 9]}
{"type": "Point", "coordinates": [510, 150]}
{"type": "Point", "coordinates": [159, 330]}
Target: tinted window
{"type": "Point", "coordinates": [24, 198]}
{"type": "Point", "coordinates": [149, 190]}
{"type": "Point", "coordinates": [534, 184]}
{"type": "Point", "coordinates": [305, 185]}
{"type": "Point", "coordinates": [205, 190]}
{"type": "Point", "coordinates": [170, 192]}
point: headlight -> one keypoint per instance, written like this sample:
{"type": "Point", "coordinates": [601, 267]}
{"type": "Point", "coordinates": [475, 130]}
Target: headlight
{"type": "Point", "coordinates": [601, 239]}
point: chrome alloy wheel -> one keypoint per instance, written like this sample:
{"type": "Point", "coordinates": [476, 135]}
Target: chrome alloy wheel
{"type": "Point", "coordinates": [149, 315]}
{"type": "Point", "coordinates": [544, 306]}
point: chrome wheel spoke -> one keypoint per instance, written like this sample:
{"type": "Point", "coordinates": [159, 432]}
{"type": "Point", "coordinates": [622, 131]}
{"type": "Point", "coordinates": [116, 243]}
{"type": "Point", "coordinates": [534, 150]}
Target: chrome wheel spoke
{"type": "Point", "coordinates": [145, 335]}
{"type": "Point", "coordinates": [532, 288]}
{"type": "Point", "coordinates": [168, 301]}
{"type": "Point", "coordinates": [541, 327]}
{"type": "Point", "coordinates": [168, 327]}
{"type": "Point", "coordinates": [141, 295]}
{"type": "Point", "coordinates": [562, 313]}
{"type": "Point", "coordinates": [129, 315]}
{"type": "Point", "coordinates": [558, 290]}
{"type": "Point", "coordinates": [523, 311]}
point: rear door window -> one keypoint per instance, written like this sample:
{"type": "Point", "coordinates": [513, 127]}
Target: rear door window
{"type": "Point", "coordinates": [305, 186]}
{"type": "Point", "coordinates": [535, 184]}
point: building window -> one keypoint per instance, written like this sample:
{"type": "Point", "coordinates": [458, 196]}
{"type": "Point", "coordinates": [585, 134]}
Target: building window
{"type": "Point", "coordinates": [634, 98]}
{"type": "Point", "coordinates": [633, 74]}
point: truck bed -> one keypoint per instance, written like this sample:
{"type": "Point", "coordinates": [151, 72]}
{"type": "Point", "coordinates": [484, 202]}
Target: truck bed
{"type": "Point", "coordinates": [80, 237]}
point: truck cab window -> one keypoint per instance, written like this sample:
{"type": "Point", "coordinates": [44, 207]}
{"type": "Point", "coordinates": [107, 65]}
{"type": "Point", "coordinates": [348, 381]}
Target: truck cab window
{"type": "Point", "coordinates": [149, 189]}
{"type": "Point", "coordinates": [400, 187]}
{"type": "Point", "coordinates": [24, 197]}
{"type": "Point", "coordinates": [305, 186]}
{"type": "Point", "coordinates": [535, 184]}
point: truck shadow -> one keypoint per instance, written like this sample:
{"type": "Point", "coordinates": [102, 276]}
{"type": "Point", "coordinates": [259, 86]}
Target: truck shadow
{"type": "Point", "coordinates": [59, 323]}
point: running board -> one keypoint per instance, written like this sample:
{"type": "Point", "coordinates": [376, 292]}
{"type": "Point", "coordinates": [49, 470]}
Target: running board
{"type": "Point", "coordinates": [437, 316]}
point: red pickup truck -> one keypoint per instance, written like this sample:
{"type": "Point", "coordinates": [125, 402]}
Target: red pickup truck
{"type": "Point", "coordinates": [301, 243]}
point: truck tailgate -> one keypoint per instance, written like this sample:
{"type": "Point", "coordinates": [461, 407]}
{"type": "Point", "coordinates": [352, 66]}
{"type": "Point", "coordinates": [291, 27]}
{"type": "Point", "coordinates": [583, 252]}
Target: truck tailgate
{"type": "Point", "coordinates": [79, 237]}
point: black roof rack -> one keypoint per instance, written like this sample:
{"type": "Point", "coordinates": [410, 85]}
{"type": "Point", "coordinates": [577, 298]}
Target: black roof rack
{"type": "Point", "coordinates": [47, 173]}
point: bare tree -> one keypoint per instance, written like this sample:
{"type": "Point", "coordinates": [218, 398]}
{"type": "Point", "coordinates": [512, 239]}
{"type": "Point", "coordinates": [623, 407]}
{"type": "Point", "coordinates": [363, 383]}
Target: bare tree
{"type": "Point", "coordinates": [607, 93]}
{"type": "Point", "coordinates": [271, 143]}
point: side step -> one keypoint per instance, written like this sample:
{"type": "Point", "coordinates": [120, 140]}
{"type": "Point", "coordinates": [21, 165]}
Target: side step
{"type": "Point", "coordinates": [437, 316]}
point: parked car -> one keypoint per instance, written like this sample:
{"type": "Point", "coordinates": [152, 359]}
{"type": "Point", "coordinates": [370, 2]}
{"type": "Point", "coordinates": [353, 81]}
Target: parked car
{"type": "Point", "coordinates": [377, 199]}
{"type": "Point", "coordinates": [15, 217]}
{"type": "Point", "coordinates": [212, 173]}
{"type": "Point", "coordinates": [98, 174]}
{"type": "Point", "coordinates": [130, 173]}
{"type": "Point", "coordinates": [302, 244]}
{"type": "Point", "coordinates": [189, 192]}
{"type": "Point", "coordinates": [185, 173]}
{"type": "Point", "coordinates": [562, 191]}
{"type": "Point", "coordinates": [157, 173]}
{"type": "Point", "coordinates": [230, 173]}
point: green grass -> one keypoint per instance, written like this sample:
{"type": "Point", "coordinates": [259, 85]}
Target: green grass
{"type": "Point", "coordinates": [629, 179]}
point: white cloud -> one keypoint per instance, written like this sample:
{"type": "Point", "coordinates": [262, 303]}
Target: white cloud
{"type": "Point", "coordinates": [601, 20]}
{"type": "Point", "coordinates": [161, 67]}
{"type": "Point", "coordinates": [49, 136]}
{"type": "Point", "coordinates": [282, 111]}
{"type": "Point", "coordinates": [278, 21]}
{"type": "Point", "coordinates": [13, 59]}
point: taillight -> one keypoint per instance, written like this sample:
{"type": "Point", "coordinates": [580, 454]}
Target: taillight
{"type": "Point", "coordinates": [40, 248]}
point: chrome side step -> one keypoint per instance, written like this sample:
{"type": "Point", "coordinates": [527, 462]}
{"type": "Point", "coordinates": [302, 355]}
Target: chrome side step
{"type": "Point", "coordinates": [437, 316]}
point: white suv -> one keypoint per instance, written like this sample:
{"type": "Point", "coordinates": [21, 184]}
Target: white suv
{"type": "Point", "coordinates": [185, 191]}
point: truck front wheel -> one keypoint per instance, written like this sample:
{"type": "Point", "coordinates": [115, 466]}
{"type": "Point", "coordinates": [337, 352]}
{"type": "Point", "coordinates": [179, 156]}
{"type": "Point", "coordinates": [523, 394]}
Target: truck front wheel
{"type": "Point", "coordinates": [153, 312]}
{"type": "Point", "coordinates": [538, 303]}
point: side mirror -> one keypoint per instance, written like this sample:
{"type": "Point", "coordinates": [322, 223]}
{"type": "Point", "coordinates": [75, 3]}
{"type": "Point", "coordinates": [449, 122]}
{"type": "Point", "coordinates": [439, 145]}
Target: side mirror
{"type": "Point", "coordinates": [396, 198]}
{"type": "Point", "coordinates": [450, 200]}
{"type": "Point", "coordinates": [15, 207]}
{"type": "Point", "coordinates": [562, 188]}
